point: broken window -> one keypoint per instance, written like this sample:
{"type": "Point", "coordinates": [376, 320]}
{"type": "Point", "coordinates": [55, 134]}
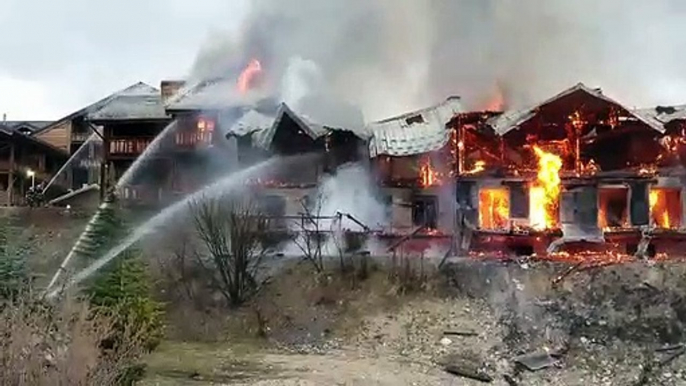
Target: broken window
{"type": "Point", "coordinates": [579, 207]}
{"type": "Point", "coordinates": [665, 207]}
{"type": "Point", "coordinates": [613, 207]}
{"type": "Point", "coordinates": [494, 208]}
{"type": "Point", "coordinates": [425, 211]}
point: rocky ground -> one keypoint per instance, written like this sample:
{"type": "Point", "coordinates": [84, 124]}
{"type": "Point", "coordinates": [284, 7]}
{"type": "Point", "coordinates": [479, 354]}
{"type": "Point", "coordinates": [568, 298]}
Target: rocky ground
{"type": "Point", "coordinates": [589, 325]}
{"type": "Point", "coordinates": [488, 320]}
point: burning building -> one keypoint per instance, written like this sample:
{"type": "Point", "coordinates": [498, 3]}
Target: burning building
{"type": "Point", "coordinates": [129, 121]}
{"type": "Point", "coordinates": [412, 159]}
{"type": "Point", "coordinates": [239, 125]}
{"type": "Point", "coordinates": [579, 168]}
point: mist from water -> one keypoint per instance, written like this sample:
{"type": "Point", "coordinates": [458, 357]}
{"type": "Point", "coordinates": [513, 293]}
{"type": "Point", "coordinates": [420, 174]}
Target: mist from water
{"type": "Point", "coordinates": [231, 184]}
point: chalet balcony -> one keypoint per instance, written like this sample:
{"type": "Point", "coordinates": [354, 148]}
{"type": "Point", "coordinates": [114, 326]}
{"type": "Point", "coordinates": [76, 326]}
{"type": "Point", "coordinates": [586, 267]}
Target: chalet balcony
{"type": "Point", "coordinates": [193, 139]}
{"type": "Point", "coordinates": [125, 147]}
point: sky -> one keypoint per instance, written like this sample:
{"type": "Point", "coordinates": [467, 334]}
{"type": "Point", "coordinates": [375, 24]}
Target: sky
{"type": "Point", "coordinates": [57, 56]}
{"type": "Point", "coordinates": [385, 56]}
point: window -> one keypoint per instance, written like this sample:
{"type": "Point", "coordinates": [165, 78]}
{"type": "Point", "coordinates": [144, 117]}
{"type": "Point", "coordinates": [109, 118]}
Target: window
{"type": "Point", "coordinates": [425, 211]}
{"type": "Point", "coordinates": [388, 206]}
{"type": "Point", "coordinates": [494, 208]}
{"type": "Point", "coordinates": [414, 119]}
{"type": "Point", "coordinates": [613, 207]}
{"type": "Point", "coordinates": [273, 206]}
{"type": "Point", "coordinates": [274, 209]}
{"type": "Point", "coordinates": [665, 207]}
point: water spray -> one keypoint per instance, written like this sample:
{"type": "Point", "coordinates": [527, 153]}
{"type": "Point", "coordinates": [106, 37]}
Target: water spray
{"type": "Point", "coordinates": [92, 138]}
{"type": "Point", "coordinates": [124, 180]}
{"type": "Point", "coordinates": [224, 186]}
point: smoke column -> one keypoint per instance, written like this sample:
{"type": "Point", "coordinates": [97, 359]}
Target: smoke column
{"type": "Point", "coordinates": [390, 56]}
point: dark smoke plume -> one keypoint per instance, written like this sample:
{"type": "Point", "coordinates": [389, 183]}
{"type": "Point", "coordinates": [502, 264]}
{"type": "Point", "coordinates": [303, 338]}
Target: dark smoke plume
{"type": "Point", "coordinates": [390, 56]}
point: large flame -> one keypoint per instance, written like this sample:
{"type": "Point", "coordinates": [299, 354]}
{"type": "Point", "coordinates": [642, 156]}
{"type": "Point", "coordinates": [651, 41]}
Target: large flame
{"type": "Point", "coordinates": [247, 79]}
{"type": "Point", "coordinates": [545, 191]}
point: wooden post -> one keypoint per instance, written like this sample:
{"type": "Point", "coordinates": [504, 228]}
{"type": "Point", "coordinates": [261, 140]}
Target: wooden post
{"type": "Point", "coordinates": [10, 184]}
{"type": "Point", "coordinates": [104, 169]}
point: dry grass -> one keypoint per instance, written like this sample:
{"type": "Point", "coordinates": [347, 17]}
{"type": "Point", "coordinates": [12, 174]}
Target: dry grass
{"type": "Point", "coordinates": [45, 344]}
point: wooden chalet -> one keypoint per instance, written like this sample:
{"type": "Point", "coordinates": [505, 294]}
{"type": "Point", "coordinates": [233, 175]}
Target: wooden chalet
{"type": "Point", "coordinates": [25, 160]}
{"type": "Point", "coordinates": [128, 122]}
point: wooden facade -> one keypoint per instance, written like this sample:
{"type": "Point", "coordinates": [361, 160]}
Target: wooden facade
{"type": "Point", "coordinates": [22, 156]}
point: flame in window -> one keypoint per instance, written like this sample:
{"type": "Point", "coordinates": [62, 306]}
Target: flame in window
{"type": "Point", "coordinates": [428, 176]}
{"type": "Point", "coordinates": [665, 207]}
{"type": "Point", "coordinates": [494, 208]}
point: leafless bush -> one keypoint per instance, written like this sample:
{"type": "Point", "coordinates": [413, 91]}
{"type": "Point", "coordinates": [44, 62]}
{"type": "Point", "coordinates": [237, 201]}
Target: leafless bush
{"type": "Point", "coordinates": [409, 274]}
{"type": "Point", "coordinates": [61, 345]}
{"type": "Point", "coordinates": [231, 230]}
{"type": "Point", "coordinates": [178, 269]}
{"type": "Point", "coordinates": [310, 238]}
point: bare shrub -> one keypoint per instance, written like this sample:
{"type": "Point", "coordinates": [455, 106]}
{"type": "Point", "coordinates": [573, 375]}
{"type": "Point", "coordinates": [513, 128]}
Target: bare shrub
{"type": "Point", "coordinates": [178, 270]}
{"type": "Point", "coordinates": [409, 274]}
{"type": "Point", "coordinates": [309, 237]}
{"type": "Point", "coordinates": [231, 230]}
{"type": "Point", "coordinates": [61, 345]}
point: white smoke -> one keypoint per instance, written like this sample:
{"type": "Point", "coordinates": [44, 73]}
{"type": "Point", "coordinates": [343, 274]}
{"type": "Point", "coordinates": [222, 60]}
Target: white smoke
{"type": "Point", "coordinates": [302, 78]}
{"type": "Point", "coordinates": [351, 191]}
{"type": "Point", "coordinates": [390, 56]}
{"type": "Point", "coordinates": [347, 192]}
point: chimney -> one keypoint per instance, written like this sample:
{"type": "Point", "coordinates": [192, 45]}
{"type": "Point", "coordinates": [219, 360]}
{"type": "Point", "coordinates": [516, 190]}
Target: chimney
{"type": "Point", "coordinates": [169, 88]}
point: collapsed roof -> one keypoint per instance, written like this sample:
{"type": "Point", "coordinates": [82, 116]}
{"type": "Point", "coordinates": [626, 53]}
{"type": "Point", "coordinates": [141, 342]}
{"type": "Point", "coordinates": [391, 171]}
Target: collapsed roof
{"type": "Point", "coordinates": [137, 102]}
{"type": "Point", "coordinates": [509, 120]}
{"type": "Point", "coordinates": [417, 132]}
{"type": "Point", "coordinates": [262, 126]}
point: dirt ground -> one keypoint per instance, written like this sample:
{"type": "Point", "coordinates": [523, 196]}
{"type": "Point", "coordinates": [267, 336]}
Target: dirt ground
{"type": "Point", "coordinates": [607, 324]}
{"type": "Point", "coordinates": [604, 324]}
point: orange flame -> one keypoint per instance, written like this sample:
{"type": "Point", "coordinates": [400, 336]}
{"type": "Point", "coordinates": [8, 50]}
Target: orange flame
{"type": "Point", "coordinates": [427, 175]}
{"type": "Point", "coordinates": [494, 208]}
{"type": "Point", "coordinates": [545, 191]}
{"type": "Point", "coordinates": [479, 166]}
{"type": "Point", "coordinates": [660, 208]}
{"type": "Point", "coordinates": [247, 79]}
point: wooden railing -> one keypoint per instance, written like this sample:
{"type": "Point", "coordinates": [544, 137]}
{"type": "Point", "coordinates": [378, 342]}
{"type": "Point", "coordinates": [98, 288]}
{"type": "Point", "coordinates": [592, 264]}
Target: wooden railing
{"type": "Point", "coordinates": [190, 139]}
{"type": "Point", "coordinates": [129, 146]}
